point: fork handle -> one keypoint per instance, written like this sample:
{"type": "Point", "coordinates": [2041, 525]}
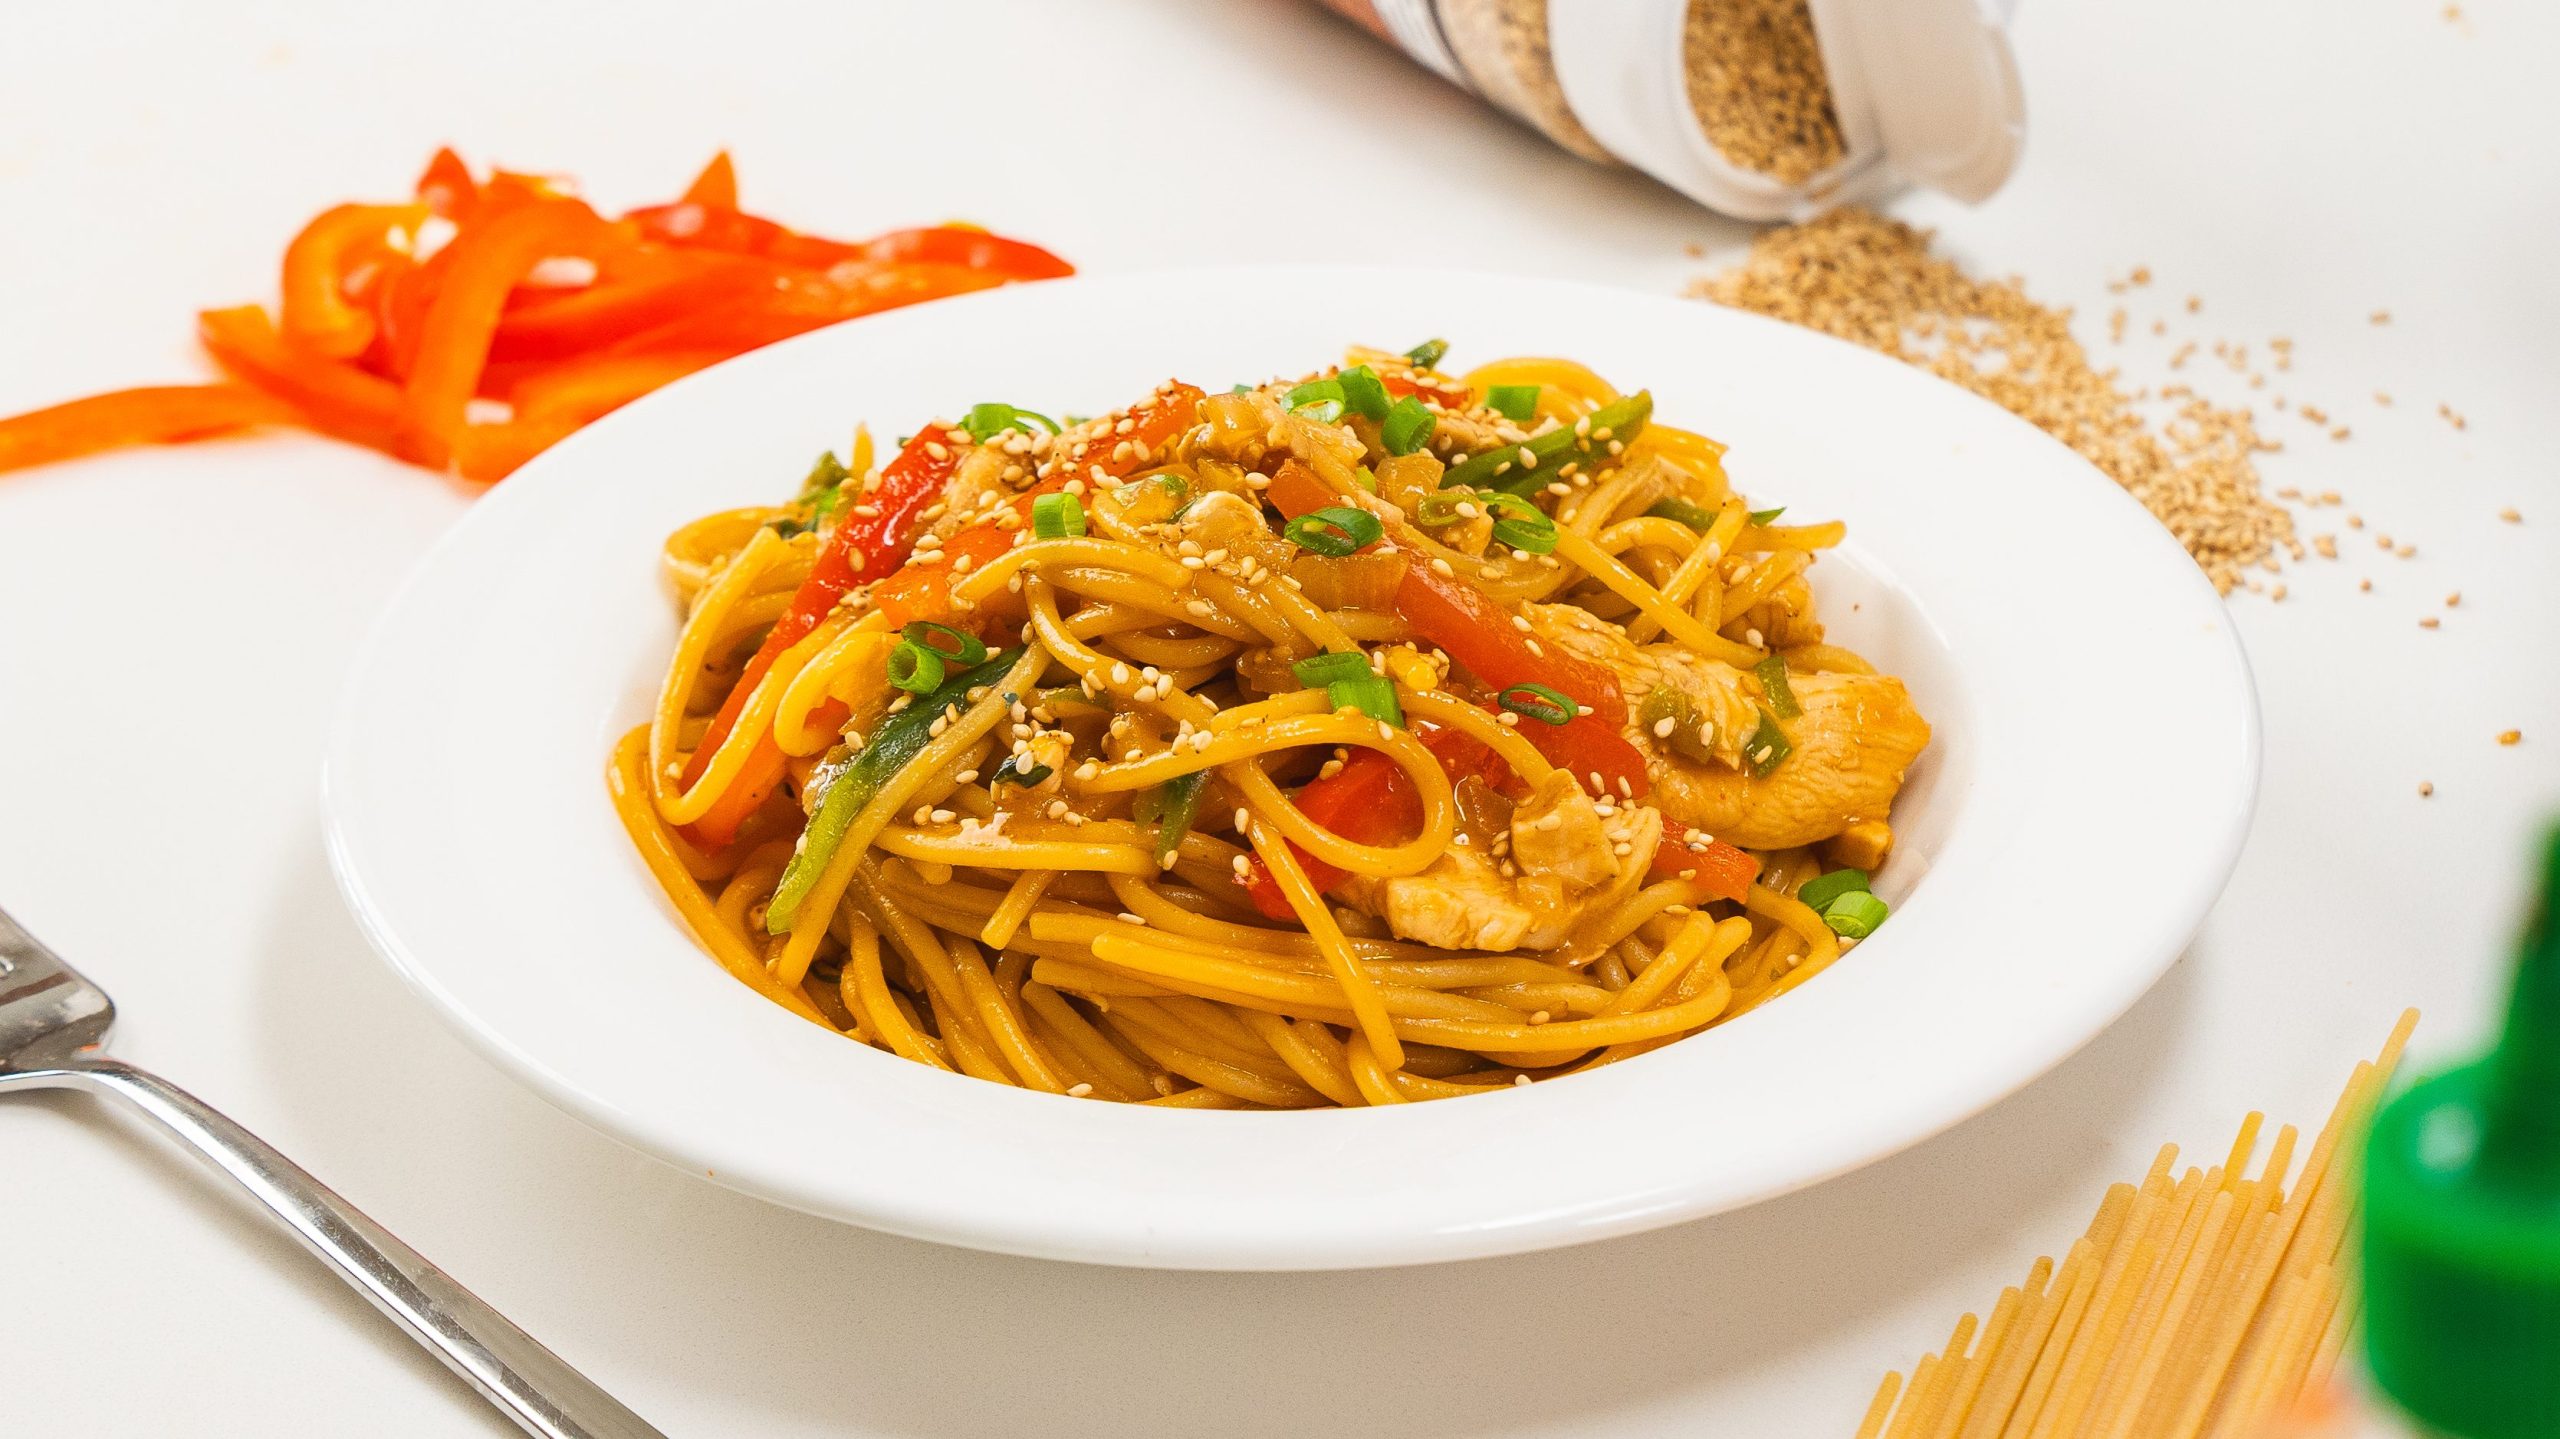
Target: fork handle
{"type": "Point", "coordinates": [528, 1383]}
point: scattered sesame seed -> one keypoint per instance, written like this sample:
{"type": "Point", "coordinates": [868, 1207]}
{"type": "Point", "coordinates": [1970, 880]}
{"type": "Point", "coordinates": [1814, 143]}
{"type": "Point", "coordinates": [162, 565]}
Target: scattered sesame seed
{"type": "Point", "coordinates": [2426, 788]}
{"type": "Point", "coordinates": [1859, 276]}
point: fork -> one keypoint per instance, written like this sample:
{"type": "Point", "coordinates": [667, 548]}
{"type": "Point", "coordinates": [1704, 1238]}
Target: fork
{"type": "Point", "coordinates": [52, 1022]}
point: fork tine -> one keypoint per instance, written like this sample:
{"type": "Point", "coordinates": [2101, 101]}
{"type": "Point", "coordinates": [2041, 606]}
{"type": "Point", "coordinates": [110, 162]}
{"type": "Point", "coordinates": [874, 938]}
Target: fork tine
{"type": "Point", "coordinates": [48, 1010]}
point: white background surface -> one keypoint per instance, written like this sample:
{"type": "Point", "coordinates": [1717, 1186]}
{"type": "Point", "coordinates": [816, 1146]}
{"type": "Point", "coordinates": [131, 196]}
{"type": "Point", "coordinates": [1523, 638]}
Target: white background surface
{"type": "Point", "coordinates": [173, 628]}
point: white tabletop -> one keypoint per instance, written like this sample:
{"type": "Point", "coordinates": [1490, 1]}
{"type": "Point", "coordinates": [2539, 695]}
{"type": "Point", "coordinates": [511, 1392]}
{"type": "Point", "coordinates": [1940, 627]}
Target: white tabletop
{"type": "Point", "coordinates": [173, 627]}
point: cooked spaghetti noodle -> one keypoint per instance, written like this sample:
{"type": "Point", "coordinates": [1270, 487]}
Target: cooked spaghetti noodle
{"type": "Point", "coordinates": [1378, 736]}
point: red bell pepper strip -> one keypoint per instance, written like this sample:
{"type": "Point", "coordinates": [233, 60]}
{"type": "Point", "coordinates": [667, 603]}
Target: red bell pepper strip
{"type": "Point", "coordinates": [316, 312]}
{"type": "Point", "coordinates": [805, 301]}
{"type": "Point", "coordinates": [967, 247]}
{"type": "Point", "coordinates": [1447, 392]}
{"type": "Point", "coordinates": [446, 187]}
{"type": "Point", "coordinates": [486, 454]}
{"type": "Point", "coordinates": [1367, 801]}
{"type": "Point", "coordinates": [645, 295]}
{"type": "Point", "coordinates": [333, 396]}
{"type": "Point", "coordinates": [486, 261]}
{"type": "Point", "coordinates": [1720, 871]}
{"type": "Point", "coordinates": [716, 185]}
{"type": "Point", "coordinates": [859, 547]}
{"type": "Point", "coordinates": [151, 415]}
{"type": "Point", "coordinates": [584, 390]}
{"type": "Point", "coordinates": [1474, 629]}
{"type": "Point", "coordinates": [924, 592]}
{"type": "Point", "coordinates": [1477, 632]}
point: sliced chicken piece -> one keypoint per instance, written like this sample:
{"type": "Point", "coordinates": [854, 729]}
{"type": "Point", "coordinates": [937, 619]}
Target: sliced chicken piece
{"type": "Point", "coordinates": [1564, 863]}
{"type": "Point", "coordinates": [1723, 703]}
{"type": "Point", "coordinates": [1855, 739]}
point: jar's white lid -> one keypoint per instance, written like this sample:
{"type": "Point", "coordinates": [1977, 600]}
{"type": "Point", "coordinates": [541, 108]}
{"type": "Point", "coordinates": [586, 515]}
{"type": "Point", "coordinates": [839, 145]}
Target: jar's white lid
{"type": "Point", "coordinates": [1926, 90]}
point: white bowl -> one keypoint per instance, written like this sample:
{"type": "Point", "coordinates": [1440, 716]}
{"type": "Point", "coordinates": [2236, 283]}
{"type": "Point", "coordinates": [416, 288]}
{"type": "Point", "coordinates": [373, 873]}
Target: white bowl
{"type": "Point", "coordinates": [2092, 776]}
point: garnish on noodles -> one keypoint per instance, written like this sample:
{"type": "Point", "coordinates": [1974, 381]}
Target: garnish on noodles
{"type": "Point", "coordinates": [1368, 736]}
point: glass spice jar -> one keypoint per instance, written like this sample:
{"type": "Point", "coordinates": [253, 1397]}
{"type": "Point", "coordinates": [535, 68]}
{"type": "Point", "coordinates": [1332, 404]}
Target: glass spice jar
{"type": "Point", "coordinates": [1762, 109]}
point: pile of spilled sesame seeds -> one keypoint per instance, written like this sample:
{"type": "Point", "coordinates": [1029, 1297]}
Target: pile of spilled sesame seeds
{"type": "Point", "coordinates": [1757, 85]}
{"type": "Point", "coordinates": [1862, 277]}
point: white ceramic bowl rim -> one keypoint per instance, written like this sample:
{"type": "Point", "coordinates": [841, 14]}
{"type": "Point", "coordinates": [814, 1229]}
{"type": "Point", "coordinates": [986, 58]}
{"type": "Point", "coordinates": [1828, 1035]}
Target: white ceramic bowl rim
{"type": "Point", "coordinates": [2098, 741]}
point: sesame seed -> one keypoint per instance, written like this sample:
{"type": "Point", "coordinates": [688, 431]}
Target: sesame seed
{"type": "Point", "coordinates": [2426, 788]}
{"type": "Point", "coordinates": [1078, 1090]}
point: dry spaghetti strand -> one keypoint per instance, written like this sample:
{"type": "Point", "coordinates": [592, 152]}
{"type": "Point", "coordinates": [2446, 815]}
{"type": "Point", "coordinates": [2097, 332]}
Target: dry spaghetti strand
{"type": "Point", "coordinates": [2204, 1306]}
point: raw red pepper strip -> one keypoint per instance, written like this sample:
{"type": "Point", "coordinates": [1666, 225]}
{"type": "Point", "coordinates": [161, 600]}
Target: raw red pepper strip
{"type": "Point", "coordinates": [333, 396]}
{"type": "Point", "coordinates": [581, 391]}
{"type": "Point", "coordinates": [486, 261]}
{"type": "Point", "coordinates": [316, 311]}
{"type": "Point", "coordinates": [647, 295]}
{"type": "Point", "coordinates": [716, 185]}
{"type": "Point", "coordinates": [910, 482]}
{"type": "Point", "coordinates": [801, 301]}
{"type": "Point", "coordinates": [967, 247]}
{"type": "Point", "coordinates": [446, 187]}
{"type": "Point", "coordinates": [151, 415]}
{"type": "Point", "coordinates": [1367, 801]}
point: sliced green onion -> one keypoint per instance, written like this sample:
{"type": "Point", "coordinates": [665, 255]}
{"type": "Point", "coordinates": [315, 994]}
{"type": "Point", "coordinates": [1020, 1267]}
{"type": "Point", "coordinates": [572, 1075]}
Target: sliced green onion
{"type": "Point", "coordinates": [1855, 915]}
{"type": "Point", "coordinates": [1314, 392]}
{"type": "Point", "coordinates": [1520, 525]}
{"type": "Point", "coordinates": [1440, 507]}
{"type": "Point", "coordinates": [1335, 530]}
{"type": "Point", "coordinates": [915, 668]}
{"type": "Point", "coordinates": [1014, 771]}
{"type": "Point", "coordinates": [895, 741]}
{"type": "Point", "coordinates": [1696, 517]}
{"type": "Point", "coordinates": [1819, 891]}
{"type": "Point", "coordinates": [1512, 402]}
{"type": "Point", "coordinates": [1768, 746]}
{"type": "Point", "coordinates": [1363, 392]}
{"type": "Point", "coordinates": [1762, 517]}
{"type": "Point", "coordinates": [1318, 400]}
{"type": "Point", "coordinates": [1543, 703]}
{"type": "Point", "coordinates": [1772, 673]}
{"type": "Point", "coordinates": [988, 420]}
{"type": "Point", "coordinates": [1408, 426]}
{"type": "Point", "coordinates": [1170, 807]}
{"type": "Point", "coordinates": [965, 648]}
{"type": "Point", "coordinates": [1367, 478]}
{"type": "Point", "coordinates": [1241, 389]}
{"type": "Point", "coordinates": [1372, 695]}
{"type": "Point", "coordinates": [1428, 353]}
{"type": "Point", "coordinates": [1317, 671]}
{"type": "Point", "coordinates": [1057, 517]}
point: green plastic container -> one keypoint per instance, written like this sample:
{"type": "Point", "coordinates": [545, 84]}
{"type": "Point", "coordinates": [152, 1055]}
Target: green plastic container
{"type": "Point", "coordinates": [2462, 1220]}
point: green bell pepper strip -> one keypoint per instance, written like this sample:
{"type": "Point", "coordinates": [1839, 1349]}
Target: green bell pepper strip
{"type": "Point", "coordinates": [895, 742]}
{"type": "Point", "coordinates": [1696, 517]}
{"type": "Point", "coordinates": [1767, 748]}
{"type": "Point", "coordinates": [1772, 674]}
{"type": "Point", "coordinates": [1170, 807]}
{"type": "Point", "coordinates": [1623, 419]}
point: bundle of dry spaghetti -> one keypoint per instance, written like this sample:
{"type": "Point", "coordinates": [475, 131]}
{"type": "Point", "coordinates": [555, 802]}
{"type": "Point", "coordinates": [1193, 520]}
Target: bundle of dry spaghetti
{"type": "Point", "coordinates": [2210, 1303]}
